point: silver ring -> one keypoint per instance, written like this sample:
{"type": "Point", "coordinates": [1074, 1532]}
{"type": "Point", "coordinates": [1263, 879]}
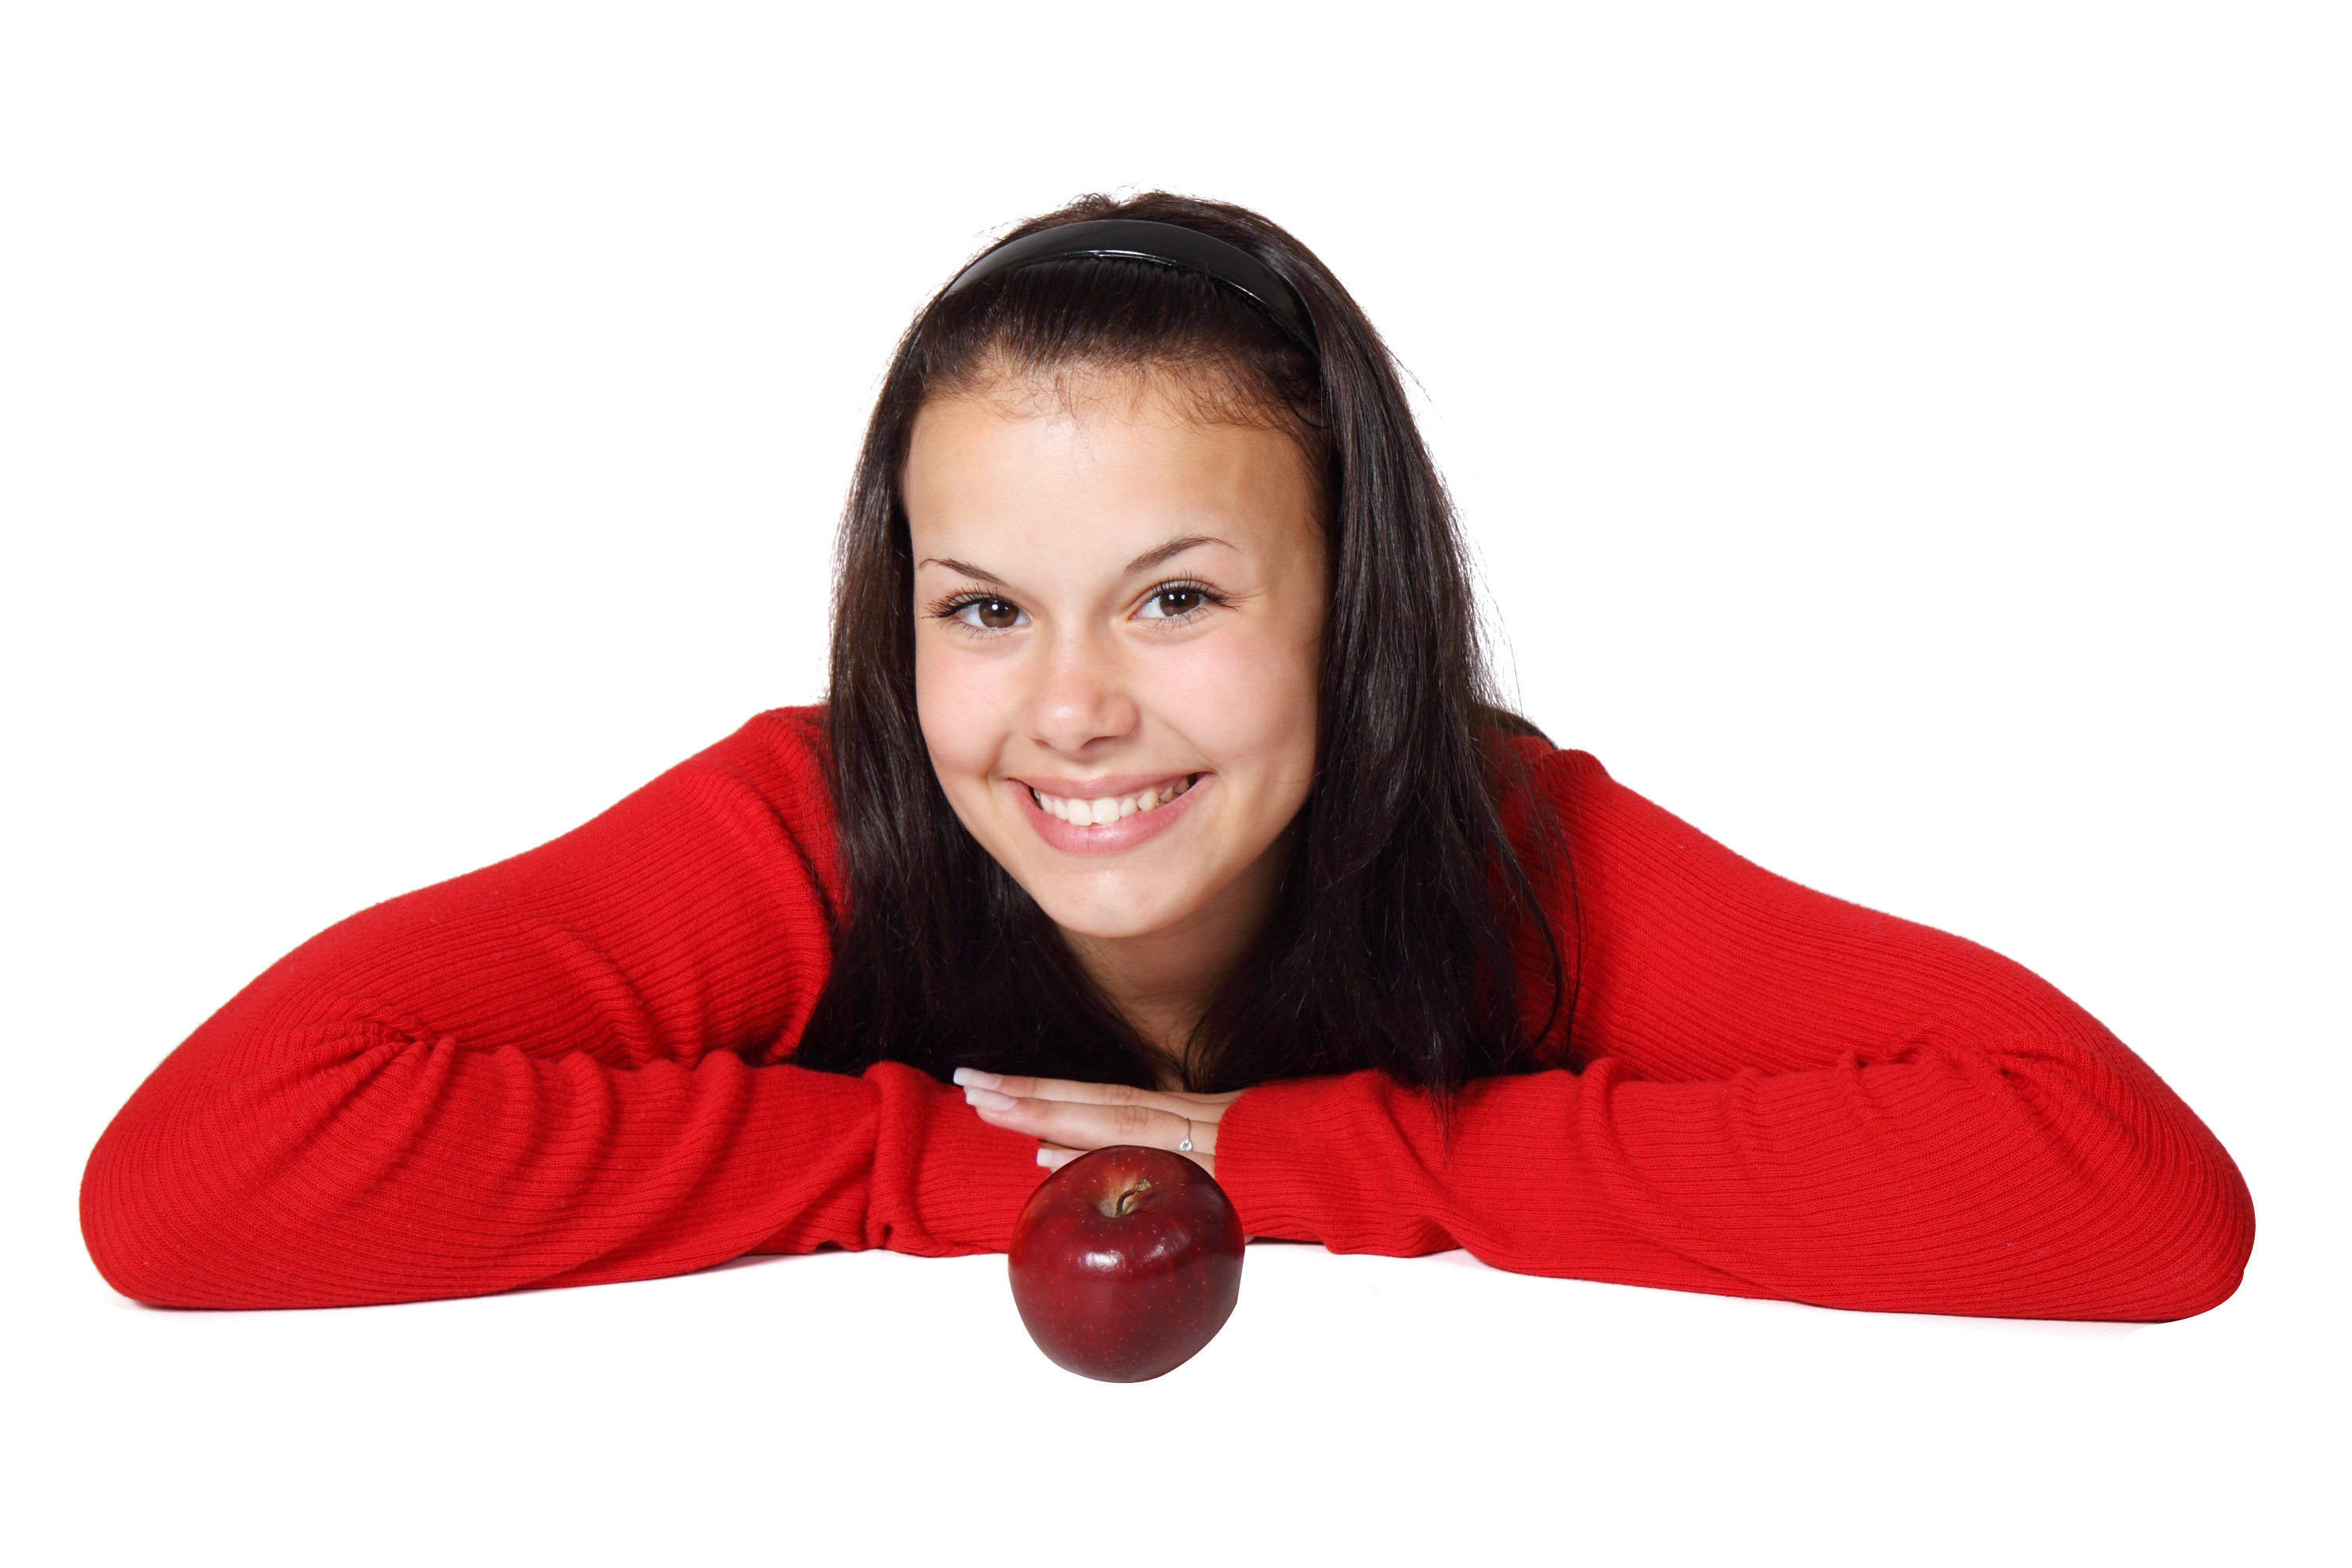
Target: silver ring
{"type": "Point", "coordinates": [1186, 1146]}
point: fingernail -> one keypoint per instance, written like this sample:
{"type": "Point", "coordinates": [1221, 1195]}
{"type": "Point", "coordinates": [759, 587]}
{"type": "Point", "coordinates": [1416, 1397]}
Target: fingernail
{"type": "Point", "coordinates": [988, 1099]}
{"type": "Point", "coordinates": [1044, 1159]}
{"type": "Point", "coordinates": [968, 1077]}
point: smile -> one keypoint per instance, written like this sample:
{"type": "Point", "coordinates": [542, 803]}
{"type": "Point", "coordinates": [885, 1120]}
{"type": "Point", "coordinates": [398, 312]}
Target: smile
{"type": "Point", "coordinates": [1117, 813]}
{"type": "Point", "coordinates": [1103, 810]}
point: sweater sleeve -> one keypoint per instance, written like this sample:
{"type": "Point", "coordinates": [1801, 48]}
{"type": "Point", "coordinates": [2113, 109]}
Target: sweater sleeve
{"type": "Point", "coordinates": [557, 1070]}
{"type": "Point", "coordinates": [1781, 1095]}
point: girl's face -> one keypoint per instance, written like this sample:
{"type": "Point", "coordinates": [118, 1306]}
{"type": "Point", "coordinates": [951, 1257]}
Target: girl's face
{"type": "Point", "coordinates": [1118, 625]}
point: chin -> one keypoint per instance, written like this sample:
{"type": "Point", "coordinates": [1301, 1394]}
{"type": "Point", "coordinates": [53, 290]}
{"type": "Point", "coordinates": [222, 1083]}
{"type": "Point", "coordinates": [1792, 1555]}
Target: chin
{"type": "Point", "coordinates": [1105, 915]}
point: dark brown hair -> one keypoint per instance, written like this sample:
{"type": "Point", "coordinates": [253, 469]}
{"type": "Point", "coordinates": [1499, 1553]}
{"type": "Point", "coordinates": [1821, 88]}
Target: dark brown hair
{"type": "Point", "coordinates": [1393, 942]}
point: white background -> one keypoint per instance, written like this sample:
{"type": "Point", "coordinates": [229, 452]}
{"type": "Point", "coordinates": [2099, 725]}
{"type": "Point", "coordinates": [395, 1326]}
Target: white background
{"type": "Point", "coordinates": [1910, 445]}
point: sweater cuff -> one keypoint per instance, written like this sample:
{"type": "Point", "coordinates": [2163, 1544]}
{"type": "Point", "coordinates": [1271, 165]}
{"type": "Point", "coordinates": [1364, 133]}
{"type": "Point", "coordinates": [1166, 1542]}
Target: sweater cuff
{"type": "Point", "coordinates": [945, 1183]}
{"type": "Point", "coordinates": [1317, 1160]}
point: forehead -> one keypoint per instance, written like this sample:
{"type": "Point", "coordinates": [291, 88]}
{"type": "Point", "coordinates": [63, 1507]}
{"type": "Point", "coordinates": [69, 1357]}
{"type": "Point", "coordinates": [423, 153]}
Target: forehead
{"type": "Point", "coordinates": [1115, 459]}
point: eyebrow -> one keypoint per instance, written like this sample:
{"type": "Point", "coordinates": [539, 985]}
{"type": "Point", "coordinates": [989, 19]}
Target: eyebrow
{"type": "Point", "coordinates": [1142, 563]}
{"type": "Point", "coordinates": [1173, 548]}
{"type": "Point", "coordinates": [966, 567]}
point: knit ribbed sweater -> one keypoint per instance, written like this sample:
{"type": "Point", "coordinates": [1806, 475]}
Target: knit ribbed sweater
{"type": "Point", "coordinates": [574, 1067]}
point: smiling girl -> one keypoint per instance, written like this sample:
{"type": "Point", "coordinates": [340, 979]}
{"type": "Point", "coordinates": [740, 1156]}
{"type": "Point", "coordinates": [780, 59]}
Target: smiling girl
{"type": "Point", "coordinates": [1160, 798]}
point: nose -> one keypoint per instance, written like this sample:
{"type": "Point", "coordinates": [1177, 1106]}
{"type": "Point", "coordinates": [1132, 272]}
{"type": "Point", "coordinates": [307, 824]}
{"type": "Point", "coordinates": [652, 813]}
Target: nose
{"type": "Point", "coordinates": [1081, 699]}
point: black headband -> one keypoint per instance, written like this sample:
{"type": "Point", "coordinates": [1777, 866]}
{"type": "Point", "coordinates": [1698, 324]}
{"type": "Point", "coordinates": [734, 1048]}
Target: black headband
{"type": "Point", "coordinates": [1165, 243]}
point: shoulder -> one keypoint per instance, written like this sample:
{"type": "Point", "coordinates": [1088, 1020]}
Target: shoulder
{"type": "Point", "coordinates": [797, 731]}
{"type": "Point", "coordinates": [774, 773]}
{"type": "Point", "coordinates": [787, 747]}
{"type": "Point", "coordinates": [1546, 791]}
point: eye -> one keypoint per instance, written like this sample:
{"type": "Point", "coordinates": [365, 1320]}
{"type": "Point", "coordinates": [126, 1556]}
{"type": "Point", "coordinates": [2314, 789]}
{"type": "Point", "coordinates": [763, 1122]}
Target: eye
{"type": "Point", "coordinates": [987, 612]}
{"type": "Point", "coordinates": [1176, 602]}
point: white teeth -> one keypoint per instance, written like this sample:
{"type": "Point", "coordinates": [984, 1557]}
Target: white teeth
{"type": "Point", "coordinates": [1107, 809]}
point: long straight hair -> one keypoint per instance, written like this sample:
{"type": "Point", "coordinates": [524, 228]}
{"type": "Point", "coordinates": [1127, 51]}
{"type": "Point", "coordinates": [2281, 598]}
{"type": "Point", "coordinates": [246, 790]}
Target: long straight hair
{"type": "Point", "coordinates": [1405, 915]}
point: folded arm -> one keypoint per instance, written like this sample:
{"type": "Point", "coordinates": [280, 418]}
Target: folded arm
{"type": "Point", "coordinates": [551, 1071]}
{"type": "Point", "coordinates": [1780, 1095]}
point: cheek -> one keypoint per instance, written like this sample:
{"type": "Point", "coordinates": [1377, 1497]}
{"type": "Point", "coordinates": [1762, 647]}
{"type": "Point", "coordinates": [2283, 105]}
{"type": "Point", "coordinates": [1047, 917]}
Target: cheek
{"type": "Point", "coordinates": [960, 702]}
{"type": "Point", "coordinates": [1249, 705]}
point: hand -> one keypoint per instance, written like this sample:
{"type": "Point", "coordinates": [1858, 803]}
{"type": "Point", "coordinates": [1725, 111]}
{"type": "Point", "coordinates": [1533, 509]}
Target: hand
{"type": "Point", "coordinates": [1071, 1118]}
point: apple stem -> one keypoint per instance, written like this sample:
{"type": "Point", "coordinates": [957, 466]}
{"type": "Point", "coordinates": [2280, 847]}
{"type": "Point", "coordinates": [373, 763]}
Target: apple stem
{"type": "Point", "coordinates": [1131, 1196]}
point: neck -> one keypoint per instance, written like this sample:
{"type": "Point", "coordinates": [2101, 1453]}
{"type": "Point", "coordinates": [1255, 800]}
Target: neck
{"type": "Point", "coordinates": [1163, 982]}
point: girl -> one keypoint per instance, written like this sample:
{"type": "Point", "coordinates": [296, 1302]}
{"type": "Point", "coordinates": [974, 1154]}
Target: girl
{"type": "Point", "coordinates": [1160, 798]}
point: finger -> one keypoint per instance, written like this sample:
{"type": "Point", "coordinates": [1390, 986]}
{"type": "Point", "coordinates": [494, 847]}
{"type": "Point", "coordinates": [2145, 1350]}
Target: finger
{"type": "Point", "coordinates": [1061, 1089]}
{"type": "Point", "coordinates": [1199, 1107]}
{"type": "Point", "coordinates": [1203, 1154]}
{"type": "Point", "coordinates": [1078, 1126]}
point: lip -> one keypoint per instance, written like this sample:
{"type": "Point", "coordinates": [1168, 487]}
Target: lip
{"type": "Point", "coordinates": [1111, 836]}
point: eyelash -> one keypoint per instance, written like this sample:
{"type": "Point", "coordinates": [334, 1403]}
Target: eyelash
{"type": "Point", "coordinates": [952, 608]}
{"type": "Point", "coordinates": [1185, 585]}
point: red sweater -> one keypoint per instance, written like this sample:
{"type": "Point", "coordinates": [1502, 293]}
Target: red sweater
{"type": "Point", "coordinates": [573, 1066]}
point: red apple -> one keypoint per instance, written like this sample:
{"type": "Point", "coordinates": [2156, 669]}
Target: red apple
{"type": "Point", "coordinates": [1126, 1262]}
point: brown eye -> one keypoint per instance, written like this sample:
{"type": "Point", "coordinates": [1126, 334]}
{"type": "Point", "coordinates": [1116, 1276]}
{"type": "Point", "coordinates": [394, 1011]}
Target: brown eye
{"type": "Point", "coordinates": [1168, 604]}
{"type": "Point", "coordinates": [989, 615]}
